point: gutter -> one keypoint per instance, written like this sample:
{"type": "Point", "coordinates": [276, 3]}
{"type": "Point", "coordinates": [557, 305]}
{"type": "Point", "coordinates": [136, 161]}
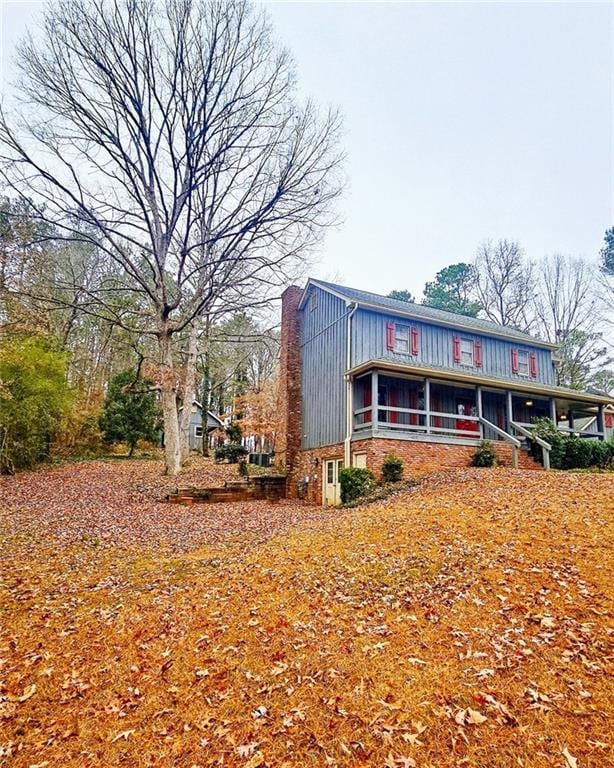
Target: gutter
{"type": "Point", "coordinates": [349, 404]}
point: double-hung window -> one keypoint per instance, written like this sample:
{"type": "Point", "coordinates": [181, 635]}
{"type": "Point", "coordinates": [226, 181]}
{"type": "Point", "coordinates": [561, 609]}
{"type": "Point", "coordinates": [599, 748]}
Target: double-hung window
{"type": "Point", "coordinates": [523, 362]}
{"type": "Point", "coordinates": [402, 338]}
{"type": "Point", "coordinates": [466, 352]}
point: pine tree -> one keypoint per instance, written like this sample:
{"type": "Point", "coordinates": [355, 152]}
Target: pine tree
{"type": "Point", "coordinates": [130, 411]}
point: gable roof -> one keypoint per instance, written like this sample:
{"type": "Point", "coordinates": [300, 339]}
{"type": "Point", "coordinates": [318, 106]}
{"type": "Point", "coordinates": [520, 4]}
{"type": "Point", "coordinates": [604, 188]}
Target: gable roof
{"type": "Point", "coordinates": [411, 309]}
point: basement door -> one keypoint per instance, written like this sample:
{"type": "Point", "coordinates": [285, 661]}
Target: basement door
{"type": "Point", "coordinates": [332, 489]}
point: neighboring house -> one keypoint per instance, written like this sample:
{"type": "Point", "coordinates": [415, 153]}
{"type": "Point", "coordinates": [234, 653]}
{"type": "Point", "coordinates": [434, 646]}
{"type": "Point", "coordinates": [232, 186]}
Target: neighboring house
{"type": "Point", "coordinates": [589, 425]}
{"type": "Point", "coordinates": [196, 425]}
{"type": "Point", "coordinates": [362, 375]}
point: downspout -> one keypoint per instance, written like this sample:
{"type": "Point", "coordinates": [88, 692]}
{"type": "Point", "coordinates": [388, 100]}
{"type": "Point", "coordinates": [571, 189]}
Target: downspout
{"type": "Point", "coordinates": [349, 404]}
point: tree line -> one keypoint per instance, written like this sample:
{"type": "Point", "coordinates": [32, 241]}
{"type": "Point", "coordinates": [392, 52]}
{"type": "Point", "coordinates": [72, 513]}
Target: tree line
{"type": "Point", "coordinates": [162, 183]}
{"type": "Point", "coordinates": [562, 299]}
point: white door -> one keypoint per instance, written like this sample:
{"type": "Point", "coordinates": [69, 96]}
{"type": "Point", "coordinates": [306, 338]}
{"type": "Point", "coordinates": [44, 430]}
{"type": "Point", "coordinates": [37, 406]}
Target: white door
{"type": "Point", "coordinates": [332, 490]}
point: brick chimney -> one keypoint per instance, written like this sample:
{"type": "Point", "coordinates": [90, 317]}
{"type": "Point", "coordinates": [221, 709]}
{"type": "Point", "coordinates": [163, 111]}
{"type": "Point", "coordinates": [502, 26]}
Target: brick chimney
{"type": "Point", "coordinates": [289, 422]}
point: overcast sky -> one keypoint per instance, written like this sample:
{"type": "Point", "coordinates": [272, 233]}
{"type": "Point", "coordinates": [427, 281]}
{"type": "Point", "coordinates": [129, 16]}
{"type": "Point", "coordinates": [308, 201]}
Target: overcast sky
{"type": "Point", "coordinates": [463, 122]}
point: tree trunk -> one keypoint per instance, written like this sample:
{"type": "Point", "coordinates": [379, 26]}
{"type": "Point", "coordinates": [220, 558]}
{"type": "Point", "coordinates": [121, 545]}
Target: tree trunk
{"type": "Point", "coordinates": [168, 396]}
{"type": "Point", "coordinates": [205, 394]}
{"type": "Point", "coordinates": [189, 395]}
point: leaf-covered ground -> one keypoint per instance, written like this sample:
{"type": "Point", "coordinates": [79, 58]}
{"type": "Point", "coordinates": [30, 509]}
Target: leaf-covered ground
{"type": "Point", "coordinates": [466, 622]}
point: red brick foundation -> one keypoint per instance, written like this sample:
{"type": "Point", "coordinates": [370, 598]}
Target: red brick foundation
{"type": "Point", "coordinates": [418, 457]}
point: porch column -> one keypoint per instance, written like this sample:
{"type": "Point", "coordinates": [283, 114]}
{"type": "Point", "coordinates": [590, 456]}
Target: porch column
{"type": "Point", "coordinates": [570, 418]}
{"type": "Point", "coordinates": [478, 402]}
{"type": "Point", "coordinates": [510, 411]}
{"type": "Point", "coordinates": [601, 421]}
{"type": "Point", "coordinates": [553, 411]}
{"type": "Point", "coordinates": [374, 401]}
{"type": "Point", "coordinates": [427, 404]}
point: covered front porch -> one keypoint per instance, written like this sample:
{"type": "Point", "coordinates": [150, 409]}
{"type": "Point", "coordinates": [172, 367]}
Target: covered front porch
{"type": "Point", "coordinates": [410, 406]}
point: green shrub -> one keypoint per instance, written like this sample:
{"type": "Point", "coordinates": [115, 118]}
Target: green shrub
{"type": "Point", "coordinates": [547, 430]}
{"type": "Point", "coordinates": [484, 455]}
{"type": "Point", "coordinates": [231, 452]}
{"type": "Point", "coordinates": [392, 468]}
{"type": "Point", "coordinates": [578, 453]}
{"type": "Point", "coordinates": [601, 455]}
{"type": "Point", "coordinates": [35, 399]}
{"type": "Point", "coordinates": [355, 482]}
{"type": "Point", "coordinates": [557, 454]}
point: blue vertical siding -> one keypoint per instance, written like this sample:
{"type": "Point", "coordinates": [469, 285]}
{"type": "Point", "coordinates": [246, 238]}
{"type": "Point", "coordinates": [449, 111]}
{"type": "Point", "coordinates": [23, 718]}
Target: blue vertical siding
{"type": "Point", "coordinates": [369, 342]}
{"type": "Point", "coordinates": [323, 358]}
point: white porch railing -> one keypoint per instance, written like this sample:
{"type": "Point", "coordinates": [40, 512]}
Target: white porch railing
{"type": "Point", "coordinates": [428, 426]}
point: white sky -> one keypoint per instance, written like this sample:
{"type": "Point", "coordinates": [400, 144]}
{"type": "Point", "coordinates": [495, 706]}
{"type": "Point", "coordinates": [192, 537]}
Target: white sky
{"type": "Point", "coordinates": [463, 121]}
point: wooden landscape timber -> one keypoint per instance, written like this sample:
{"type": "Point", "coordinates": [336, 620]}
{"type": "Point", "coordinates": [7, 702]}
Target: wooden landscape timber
{"type": "Point", "coordinates": [267, 487]}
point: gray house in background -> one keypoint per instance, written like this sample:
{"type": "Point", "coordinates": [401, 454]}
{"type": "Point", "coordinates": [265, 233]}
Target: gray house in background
{"type": "Point", "coordinates": [196, 425]}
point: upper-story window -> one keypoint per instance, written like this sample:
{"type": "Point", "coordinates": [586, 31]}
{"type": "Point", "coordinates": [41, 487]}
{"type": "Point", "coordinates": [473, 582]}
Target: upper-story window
{"type": "Point", "coordinates": [313, 301]}
{"type": "Point", "coordinates": [403, 339]}
{"type": "Point", "coordinates": [467, 352]}
{"type": "Point", "coordinates": [523, 362]}
{"type": "Point", "coordinates": [466, 346]}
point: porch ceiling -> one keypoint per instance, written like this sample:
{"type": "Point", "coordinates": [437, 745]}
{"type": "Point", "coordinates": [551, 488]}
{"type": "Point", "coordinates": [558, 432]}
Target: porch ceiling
{"type": "Point", "coordinates": [447, 375]}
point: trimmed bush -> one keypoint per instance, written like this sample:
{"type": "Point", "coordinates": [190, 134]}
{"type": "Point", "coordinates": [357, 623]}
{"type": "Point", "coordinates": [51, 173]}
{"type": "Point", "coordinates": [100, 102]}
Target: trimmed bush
{"type": "Point", "coordinates": [578, 453]}
{"type": "Point", "coordinates": [602, 453]}
{"type": "Point", "coordinates": [355, 482]}
{"type": "Point", "coordinates": [231, 452]}
{"type": "Point", "coordinates": [557, 454]}
{"type": "Point", "coordinates": [484, 455]}
{"type": "Point", "coordinates": [392, 468]}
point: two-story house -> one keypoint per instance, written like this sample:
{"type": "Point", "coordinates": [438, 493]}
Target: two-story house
{"type": "Point", "coordinates": [363, 375]}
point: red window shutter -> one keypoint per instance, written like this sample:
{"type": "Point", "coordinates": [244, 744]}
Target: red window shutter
{"type": "Point", "coordinates": [533, 365]}
{"type": "Point", "coordinates": [477, 353]}
{"type": "Point", "coordinates": [609, 420]}
{"type": "Point", "coordinates": [456, 349]}
{"type": "Point", "coordinates": [415, 341]}
{"type": "Point", "coordinates": [514, 361]}
{"type": "Point", "coordinates": [390, 336]}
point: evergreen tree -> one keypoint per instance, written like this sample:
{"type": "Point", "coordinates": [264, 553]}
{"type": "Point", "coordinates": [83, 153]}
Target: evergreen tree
{"type": "Point", "coordinates": [130, 411]}
{"type": "Point", "coordinates": [402, 296]}
{"type": "Point", "coordinates": [453, 290]}
{"type": "Point", "coordinates": [607, 252]}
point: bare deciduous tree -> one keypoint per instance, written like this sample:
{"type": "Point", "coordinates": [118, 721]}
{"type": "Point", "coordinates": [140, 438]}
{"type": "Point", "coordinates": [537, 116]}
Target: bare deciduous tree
{"type": "Point", "coordinates": [568, 311]}
{"type": "Point", "coordinates": [168, 135]}
{"type": "Point", "coordinates": [566, 299]}
{"type": "Point", "coordinates": [504, 284]}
